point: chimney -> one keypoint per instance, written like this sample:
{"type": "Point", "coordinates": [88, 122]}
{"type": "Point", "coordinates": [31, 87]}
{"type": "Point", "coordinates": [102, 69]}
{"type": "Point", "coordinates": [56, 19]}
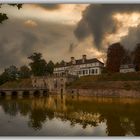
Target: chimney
{"type": "Point", "coordinates": [84, 58]}
{"type": "Point", "coordinates": [73, 60]}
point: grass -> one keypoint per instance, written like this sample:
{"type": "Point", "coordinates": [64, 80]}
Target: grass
{"type": "Point", "coordinates": [115, 77]}
{"type": "Point", "coordinates": [17, 84]}
{"type": "Point", "coordinates": [126, 81]}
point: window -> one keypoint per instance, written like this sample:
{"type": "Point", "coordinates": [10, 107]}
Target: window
{"type": "Point", "coordinates": [86, 71]}
{"type": "Point", "coordinates": [92, 71]}
{"type": "Point", "coordinates": [83, 72]}
{"type": "Point", "coordinates": [96, 71]}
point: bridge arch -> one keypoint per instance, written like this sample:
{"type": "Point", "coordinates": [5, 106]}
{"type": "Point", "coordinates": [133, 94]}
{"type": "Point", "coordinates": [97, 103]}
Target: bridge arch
{"type": "Point", "coordinates": [2, 93]}
{"type": "Point", "coordinates": [45, 92]}
{"type": "Point", "coordinates": [36, 93]}
{"type": "Point", "coordinates": [14, 93]}
{"type": "Point", "coordinates": [26, 93]}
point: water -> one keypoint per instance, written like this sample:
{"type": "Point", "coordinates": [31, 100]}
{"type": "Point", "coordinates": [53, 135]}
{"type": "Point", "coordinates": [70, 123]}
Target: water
{"type": "Point", "coordinates": [69, 116]}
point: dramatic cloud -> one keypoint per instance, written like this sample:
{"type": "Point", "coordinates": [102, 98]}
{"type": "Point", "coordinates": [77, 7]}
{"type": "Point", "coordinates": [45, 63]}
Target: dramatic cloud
{"type": "Point", "coordinates": [98, 20]}
{"type": "Point", "coordinates": [129, 41]}
{"type": "Point", "coordinates": [49, 6]}
{"type": "Point", "coordinates": [54, 32]}
{"type": "Point", "coordinates": [18, 41]}
{"type": "Point", "coordinates": [15, 44]}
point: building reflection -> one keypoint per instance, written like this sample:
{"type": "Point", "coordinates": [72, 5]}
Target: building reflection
{"type": "Point", "coordinates": [120, 116]}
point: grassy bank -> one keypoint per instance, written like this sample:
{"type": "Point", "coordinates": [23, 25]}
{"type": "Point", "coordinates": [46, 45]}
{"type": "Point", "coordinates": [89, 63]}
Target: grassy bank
{"type": "Point", "coordinates": [128, 81]}
{"type": "Point", "coordinates": [17, 84]}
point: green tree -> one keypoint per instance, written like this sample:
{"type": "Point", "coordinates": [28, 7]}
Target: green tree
{"type": "Point", "coordinates": [115, 54]}
{"type": "Point", "coordinates": [24, 72]}
{"type": "Point", "coordinates": [4, 16]}
{"type": "Point", "coordinates": [12, 72]}
{"type": "Point", "coordinates": [50, 67]}
{"type": "Point", "coordinates": [38, 65]}
{"type": "Point", "coordinates": [4, 77]}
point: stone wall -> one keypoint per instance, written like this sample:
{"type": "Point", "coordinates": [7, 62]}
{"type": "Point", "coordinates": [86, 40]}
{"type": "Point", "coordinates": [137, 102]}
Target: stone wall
{"type": "Point", "coordinates": [54, 84]}
{"type": "Point", "coordinates": [104, 93]}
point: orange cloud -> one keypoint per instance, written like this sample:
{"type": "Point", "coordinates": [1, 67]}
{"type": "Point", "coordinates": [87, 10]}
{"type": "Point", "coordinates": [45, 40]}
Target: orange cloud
{"type": "Point", "coordinates": [30, 23]}
{"type": "Point", "coordinates": [124, 22]}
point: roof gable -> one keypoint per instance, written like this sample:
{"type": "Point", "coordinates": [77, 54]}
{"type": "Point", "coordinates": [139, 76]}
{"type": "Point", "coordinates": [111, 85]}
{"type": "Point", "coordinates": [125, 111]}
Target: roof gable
{"type": "Point", "coordinates": [79, 62]}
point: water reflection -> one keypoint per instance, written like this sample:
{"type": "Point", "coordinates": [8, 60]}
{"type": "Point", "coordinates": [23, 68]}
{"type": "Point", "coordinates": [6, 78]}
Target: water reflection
{"type": "Point", "coordinates": [55, 115]}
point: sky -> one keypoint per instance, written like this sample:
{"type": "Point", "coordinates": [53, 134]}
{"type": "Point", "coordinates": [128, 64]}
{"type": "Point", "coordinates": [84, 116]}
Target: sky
{"type": "Point", "coordinates": [60, 31]}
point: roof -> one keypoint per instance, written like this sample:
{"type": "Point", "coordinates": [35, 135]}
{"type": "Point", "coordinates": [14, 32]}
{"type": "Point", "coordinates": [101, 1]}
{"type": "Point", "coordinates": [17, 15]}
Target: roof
{"type": "Point", "coordinates": [78, 62]}
{"type": "Point", "coordinates": [127, 66]}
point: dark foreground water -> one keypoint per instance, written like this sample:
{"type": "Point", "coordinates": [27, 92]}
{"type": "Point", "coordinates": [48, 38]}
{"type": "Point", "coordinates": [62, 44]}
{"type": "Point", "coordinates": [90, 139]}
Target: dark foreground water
{"type": "Point", "coordinates": [69, 116]}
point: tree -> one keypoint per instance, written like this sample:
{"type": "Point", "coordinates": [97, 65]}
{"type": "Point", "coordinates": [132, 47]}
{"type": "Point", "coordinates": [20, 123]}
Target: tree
{"type": "Point", "coordinates": [62, 62]}
{"type": "Point", "coordinates": [12, 72]}
{"type": "Point", "coordinates": [56, 64]}
{"type": "Point", "coordinates": [9, 74]}
{"type": "Point", "coordinates": [136, 54]}
{"type": "Point", "coordinates": [50, 67]}
{"type": "Point", "coordinates": [24, 72]}
{"type": "Point", "coordinates": [4, 77]}
{"type": "Point", "coordinates": [4, 16]}
{"type": "Point", "coordinates": [115, 55]}
{"type": "Point", "coordinates": [127, 58]}
{"type": "Point", "coordinates": [38, 65]}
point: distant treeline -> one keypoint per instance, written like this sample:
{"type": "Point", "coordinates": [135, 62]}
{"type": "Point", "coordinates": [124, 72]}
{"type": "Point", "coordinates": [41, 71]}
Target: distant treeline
{"type": "Point", "coordinates": [37, 67]}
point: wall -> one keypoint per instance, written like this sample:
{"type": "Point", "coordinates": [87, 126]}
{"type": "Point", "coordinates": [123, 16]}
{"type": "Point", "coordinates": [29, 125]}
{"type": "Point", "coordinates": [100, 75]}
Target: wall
{"type": "Point", "coordinates": [127, 70]}
{"type": "Point", "coordinates": [54, 84]}
{"type": "Point", "coordinates": [104, 93]}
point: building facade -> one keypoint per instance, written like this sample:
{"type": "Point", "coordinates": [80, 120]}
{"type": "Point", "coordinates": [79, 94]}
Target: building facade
{"type": "Point", "coordinates": [127, 68]}
{"type": "Point", "coordinates": [80, 67]}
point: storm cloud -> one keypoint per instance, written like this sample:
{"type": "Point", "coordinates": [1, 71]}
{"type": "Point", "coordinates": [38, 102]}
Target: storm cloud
{"type": "Point", "coordinates": [18, 41]}
{"type": "Point", "coordinates": [49, 6]}
{"type": "Point", "coordinates": [98, 21]}
{"type": "Point", "coordinates": [132, 39]}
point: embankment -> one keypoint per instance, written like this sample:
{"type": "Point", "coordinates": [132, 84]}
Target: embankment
{"type": "Point", "coordinates": [107, 85]}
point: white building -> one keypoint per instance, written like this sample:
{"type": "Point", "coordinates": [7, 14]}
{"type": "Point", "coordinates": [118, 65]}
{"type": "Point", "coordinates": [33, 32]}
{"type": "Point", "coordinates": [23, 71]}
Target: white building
{"type": "Point", "coordinates": [80, 67]}
{"type": "Point", "coordinates": [127, 68]}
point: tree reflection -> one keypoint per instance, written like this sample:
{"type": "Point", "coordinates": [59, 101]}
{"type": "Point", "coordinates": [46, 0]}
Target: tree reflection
{"type": "Point", "coordinates": [24, 108]}
{"type": "Point", "coordinates": [10, 108]}
{"type": "Point", "coordinates": [121, 118]}
{"type": "Point", "coordinates": [114, 126]}
{"type": "Point", "coordinates": [37, 118]}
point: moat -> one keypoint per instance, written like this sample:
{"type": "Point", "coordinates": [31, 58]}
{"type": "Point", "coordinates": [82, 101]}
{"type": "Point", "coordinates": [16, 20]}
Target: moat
{"type": "Point", "coordinates": [69, 116]}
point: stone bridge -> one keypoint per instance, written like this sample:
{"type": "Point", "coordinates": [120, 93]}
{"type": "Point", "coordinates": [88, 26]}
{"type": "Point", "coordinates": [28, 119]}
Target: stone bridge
{"type": "Point", "coordinates": [23, 91]}
{"type": "Point", "coordinates": [40, 86]}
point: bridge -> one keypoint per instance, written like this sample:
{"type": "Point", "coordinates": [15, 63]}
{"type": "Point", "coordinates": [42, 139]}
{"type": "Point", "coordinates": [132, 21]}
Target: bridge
{"type": "Point", "coordinates": [23, 91]}
{"type": "Point", "coordinates": [40, 86]}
